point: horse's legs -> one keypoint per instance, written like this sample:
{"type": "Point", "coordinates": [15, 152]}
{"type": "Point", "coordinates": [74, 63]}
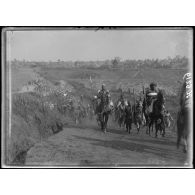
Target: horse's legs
{"type": "Point", "coordinates": [105, 121]}
{"type": "Point", "coordinates": [101, 120]}
{"type": "Point", "coordinates": [156, 127]}
{"type": "Point", "coordinates": [149, 126]}
{"type": "Point", "coordinates": [119, 123]}
{"type": "Point", "coordinates": [163, 130]}
{"type": "Point", "coordinates": [138, 127]}
{"type": "Point", "coordinates": [129, 127]}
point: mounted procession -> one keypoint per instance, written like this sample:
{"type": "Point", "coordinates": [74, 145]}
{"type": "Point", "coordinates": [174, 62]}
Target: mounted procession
{"type": "Point", "coordinates": [147, 110]}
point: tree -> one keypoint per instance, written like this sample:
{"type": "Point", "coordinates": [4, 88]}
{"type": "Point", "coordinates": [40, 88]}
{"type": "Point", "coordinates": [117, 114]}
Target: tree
{"type": "Point", "coordinates": [116, 62]}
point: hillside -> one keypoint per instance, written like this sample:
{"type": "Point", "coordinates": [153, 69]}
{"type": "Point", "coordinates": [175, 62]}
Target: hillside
{"type": "Point", "coordinates": [44, 133]}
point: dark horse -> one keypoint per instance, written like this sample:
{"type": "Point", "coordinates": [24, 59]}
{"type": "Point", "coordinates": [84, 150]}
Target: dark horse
{"type": "Point", "coordinates": [157, 114]}
{"type": "Point", "coordinates": [149, 119]}
{"type": "Point", "coordinates": [120, 114]}
{"type": "Point", "coordinates": [183, 119]}
{"type": "Point", "coordinates": [128, 117]}
{"type": "Point", "coordinates": [103, 112]}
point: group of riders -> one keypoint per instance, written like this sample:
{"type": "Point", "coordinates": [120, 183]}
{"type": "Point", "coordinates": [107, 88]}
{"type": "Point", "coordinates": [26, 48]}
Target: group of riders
{"type": "Point", "coordinates": [141, 112]}
{"type": "Point", "coordinates": [149, 110]}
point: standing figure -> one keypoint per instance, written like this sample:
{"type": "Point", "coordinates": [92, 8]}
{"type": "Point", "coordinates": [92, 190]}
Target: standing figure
{"type": "Point", "coordinates": [168, 118]}
{"type": "Point", "coordinates": [138, 114]}
{"type": "Point", "coordinates": [120, 110]}
{"type": "Point", "coordinates": [184, 114]}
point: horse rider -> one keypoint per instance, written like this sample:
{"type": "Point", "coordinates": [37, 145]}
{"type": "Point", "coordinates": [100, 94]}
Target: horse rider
{"type": "Point", "coordinates": [104, 96]}
{"type": "Point", "coordinates": [151, 96]}
{"type": "Point", "coordinates": [121, 101]}
{"type": "Point", "coordinates": [186, 94]}
{"type": "Point", "coordinates": [160, 98]}
{"type": "Point", "coordinates": [152, 92]}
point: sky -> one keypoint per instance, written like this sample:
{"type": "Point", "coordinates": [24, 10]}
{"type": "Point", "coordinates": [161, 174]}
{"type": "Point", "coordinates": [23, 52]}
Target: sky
{"type": "Point", "coordinates": [98, 45]}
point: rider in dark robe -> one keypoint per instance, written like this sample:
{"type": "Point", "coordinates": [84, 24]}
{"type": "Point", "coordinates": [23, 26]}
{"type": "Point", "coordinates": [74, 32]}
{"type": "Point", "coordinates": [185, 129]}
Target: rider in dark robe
{"type": "Point", "coordinates": [151, 93]}
{"type": "Point", "coordinates": [151, 96]}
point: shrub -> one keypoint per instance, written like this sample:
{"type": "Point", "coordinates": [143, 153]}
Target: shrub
{"type": "Point", "coordinates": [32, 121]}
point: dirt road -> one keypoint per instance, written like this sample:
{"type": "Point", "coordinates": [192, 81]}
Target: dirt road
{"type": "Point", "coordinates": [89, 146]}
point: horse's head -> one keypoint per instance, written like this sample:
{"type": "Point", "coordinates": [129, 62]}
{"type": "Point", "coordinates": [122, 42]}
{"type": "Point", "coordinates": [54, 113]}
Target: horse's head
{"type": "Point", "coordinates": [160, 97]}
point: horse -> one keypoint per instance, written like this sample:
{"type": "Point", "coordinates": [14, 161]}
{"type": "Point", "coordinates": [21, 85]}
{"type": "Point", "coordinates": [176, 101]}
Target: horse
{"type": "Point", "coordinates": [103, 112]}
{"type": "Point", "coordinates": [103, 115]}
{"type": "Point", "coordinates": [148, 116]}
{"type": "Point", "coordinates": [121, 115]}
{"type": "Point", "coordinates": [183, 128]}
{"type": "Point", "coordinates": [138, 115]}
{"type": "Point", "coordinates": [157, 114]}
{"type": "Point", "coordinates": [128, 117]}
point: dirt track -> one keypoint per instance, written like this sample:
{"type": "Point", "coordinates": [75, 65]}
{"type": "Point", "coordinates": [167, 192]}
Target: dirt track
{"type": "Point", "coordinates": [90, 147]}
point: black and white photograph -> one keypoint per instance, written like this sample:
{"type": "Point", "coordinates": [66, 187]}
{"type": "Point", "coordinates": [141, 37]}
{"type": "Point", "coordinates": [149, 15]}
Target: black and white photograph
{"type": "Point", "coordinates": [104, 97]}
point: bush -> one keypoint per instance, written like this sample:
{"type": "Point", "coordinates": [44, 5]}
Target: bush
{"type": "Point", "coordinates": [32, 121]}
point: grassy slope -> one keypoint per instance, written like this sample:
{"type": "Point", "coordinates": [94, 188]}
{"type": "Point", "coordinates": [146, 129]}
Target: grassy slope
{"type": "Point", "coordinates": [167, 79]}
{"type": "Point", "coordinates": [20, 77]}
{"type": "Point", "coordinates": [32, 122]}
